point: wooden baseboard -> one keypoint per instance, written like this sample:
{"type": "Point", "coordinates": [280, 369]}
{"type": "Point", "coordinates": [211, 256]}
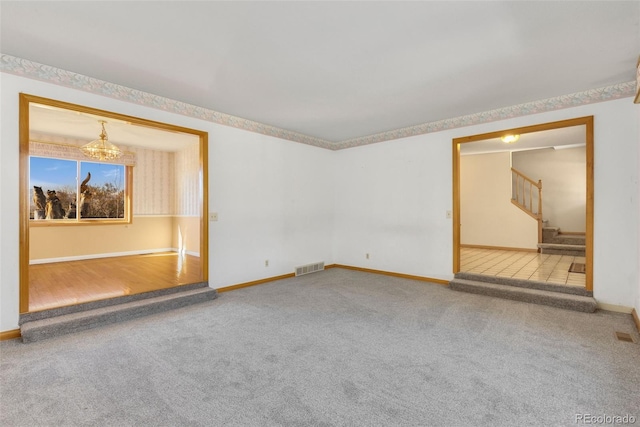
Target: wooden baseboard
{"type": "Point", "coordinates": [572, 233]}
{"type": "Point", "coordinates": [615, 308]}
{"type": "Point", "coordinates": [636, 319]}
{"type": "Point", "coordinates": [9, 335]}
{"type": "Point", "coordinates": [500, 248]}
{"type": "Point", "coordinates": [348, 267]}
{"type": "Point", "coordinates": [108, 255]}
{"type": "Point", "coordinates": [255, 282]}
{"type": "Point", "coordinates": [390, 273]}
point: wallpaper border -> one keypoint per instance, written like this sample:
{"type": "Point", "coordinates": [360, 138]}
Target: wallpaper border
{"type": "Point", "coordinates": [34, 70]}
{"type": "Point", "coordinates": [23, 67]}
{"type": "Point", "coordinates": [608, 93]}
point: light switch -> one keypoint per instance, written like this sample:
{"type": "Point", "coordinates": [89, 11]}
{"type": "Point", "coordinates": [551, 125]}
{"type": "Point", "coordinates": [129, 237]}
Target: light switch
{"type": "Point", "coordinates": [213, 216]}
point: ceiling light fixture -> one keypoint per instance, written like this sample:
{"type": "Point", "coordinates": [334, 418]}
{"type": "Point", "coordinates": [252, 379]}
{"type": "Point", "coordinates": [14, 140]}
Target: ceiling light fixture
{"type": "Point", "coordinates": [510, 139]}
{"type": "Point", "coordinates": [101, 149]}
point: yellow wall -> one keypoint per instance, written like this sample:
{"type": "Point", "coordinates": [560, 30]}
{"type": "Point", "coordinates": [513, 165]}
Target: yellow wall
{"type": "Point", "coordinates": [144, 233]}
{"type": "Point", "coordinates": [563, 173]}
{"type": "Point", "coordinates": [487, 216]}
{"type": "Point", "coordinates": [187, 229]}
{"type": "Point", "coordinates": [166, 194]}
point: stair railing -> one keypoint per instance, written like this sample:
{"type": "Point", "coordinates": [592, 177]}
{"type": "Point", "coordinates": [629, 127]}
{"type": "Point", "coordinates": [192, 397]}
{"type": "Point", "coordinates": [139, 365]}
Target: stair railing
{"type": "Point", "coordinates": [527, 195]}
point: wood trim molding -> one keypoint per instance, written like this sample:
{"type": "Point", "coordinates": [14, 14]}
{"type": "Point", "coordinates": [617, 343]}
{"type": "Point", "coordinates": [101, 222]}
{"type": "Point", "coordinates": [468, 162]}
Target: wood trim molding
{"type": "Point", "coordinates": [255, 282]}
{"type": "Point", "coordinates": [108, 255]}
{"type": "Point", "coordinates": [204, 203]}
{"type": "Point", "coordinates": [10, 335]}
{"type": "Point", "coordinates": [589, 220]}
{"type": "Point", "coordinates": [500, 248]}
{"type": "Point", "coordinates": [636, 319]}
{"type": "Point", "coordinates": [636, 100]}
{"type": "Point", "coordinates": [456, 207]}
{"type": "Point", "coordinates": [326, 267]}
{"type": "Point", "coordinates": [24, 101]}
{"type": "Point", "coordinates": [614, 308]}
{"type": "Point", "coordinates": [24, 202]}
{"type": "Point", "coordinates": [587, 121]}
{"type": "Point", "coordinates": [390, 273]}
{"type": "Point", "coordinates": [525, 129]}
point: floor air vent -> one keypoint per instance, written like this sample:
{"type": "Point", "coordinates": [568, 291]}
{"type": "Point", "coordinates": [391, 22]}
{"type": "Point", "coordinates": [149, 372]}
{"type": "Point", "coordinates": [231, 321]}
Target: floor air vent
{"type": "Point", "coordinates": [623, 336]}
{"type": "Point", "coordinates": [309, 268]}
{"type": "Point", "coordinates": [577, 267]}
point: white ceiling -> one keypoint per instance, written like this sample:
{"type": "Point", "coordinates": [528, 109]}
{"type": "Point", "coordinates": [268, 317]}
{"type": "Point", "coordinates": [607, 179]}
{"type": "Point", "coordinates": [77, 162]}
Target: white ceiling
{"type": "Point", "coordinates": [335, 70]}
{"type": "Point", "coordinates": [78, 128]}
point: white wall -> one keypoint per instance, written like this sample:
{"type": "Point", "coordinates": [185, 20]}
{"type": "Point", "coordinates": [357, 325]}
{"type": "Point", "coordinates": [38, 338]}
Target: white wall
{"type": "Point", "coordinates": [487, 216]}
{"type": "Point", "coordinates": [273, 200]}
{"type": "Point", "coordinates": [273, 197]}
{"type": "Point", "coordinates": [564, 192]}
{"type": "Point", "coordinates": [391, 202]}
{"type": "Point", "coordinates": [392, 198]}
{"type": "Point", "coordinates": [291, 203]}
{"type": "Point", "coordinates": [616, 215]}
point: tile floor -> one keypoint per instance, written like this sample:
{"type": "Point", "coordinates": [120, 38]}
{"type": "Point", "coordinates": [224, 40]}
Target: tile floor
{"type": "Point", "coordinates": [522, 265]}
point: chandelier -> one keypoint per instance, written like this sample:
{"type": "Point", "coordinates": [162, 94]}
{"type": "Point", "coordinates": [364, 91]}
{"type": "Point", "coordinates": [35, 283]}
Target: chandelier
{"type": "Point", "coordinates": [101, 149]}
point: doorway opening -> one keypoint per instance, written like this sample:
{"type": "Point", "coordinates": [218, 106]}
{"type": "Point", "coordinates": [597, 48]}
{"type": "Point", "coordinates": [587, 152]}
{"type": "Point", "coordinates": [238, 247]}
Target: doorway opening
{"type": "Point", "coordinates": [494, 230]}
{"type": "Point", "coordinates": [122, 226]}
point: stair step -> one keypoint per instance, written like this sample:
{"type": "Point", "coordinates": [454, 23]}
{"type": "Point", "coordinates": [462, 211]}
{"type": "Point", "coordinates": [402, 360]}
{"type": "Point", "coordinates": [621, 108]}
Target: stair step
{"type": "Point", "coordinates": [59, 311]}
{"type": "Point", "coordinates": [562, 249]}
{"type": "Point", "coordinates": [535, 296]}
{"type": "Point", "coordinates": [549, 233]}
{"type": "Point", "coordinates": [35, 330]}
{"type": "Point", "coordinates": [567, 239]}
{"type": "Point", "coordinates": [528, 284]}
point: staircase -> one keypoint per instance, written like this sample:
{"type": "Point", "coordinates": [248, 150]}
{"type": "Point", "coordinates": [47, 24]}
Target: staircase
{"type": "Point", "coordinates": [568, 297]}
{"type": "Point", "coordinates": [554, 242]}
{"type": "Point", "coordinates": [526, 194]}
{"type": "Point", "coordinates": [44, 324]}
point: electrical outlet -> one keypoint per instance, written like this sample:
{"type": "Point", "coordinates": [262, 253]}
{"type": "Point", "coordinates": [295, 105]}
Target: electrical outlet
{"type": "Point", "coordinates": [367, 256]}
{"type": "Point", "coordinates": [213, 216]}
{"type": "Point", "coordinates": [266, 263]}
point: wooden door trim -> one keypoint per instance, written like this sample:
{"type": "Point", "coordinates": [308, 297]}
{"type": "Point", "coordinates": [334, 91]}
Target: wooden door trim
{"type": "Point", "coordinates": [24, 101]}
{"type": "Point", "coordinates": [588, 122]}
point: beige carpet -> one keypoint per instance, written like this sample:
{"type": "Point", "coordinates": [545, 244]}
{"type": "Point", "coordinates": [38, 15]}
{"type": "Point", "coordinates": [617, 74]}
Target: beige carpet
{"type": "Point", "coordinates": [336, 348]}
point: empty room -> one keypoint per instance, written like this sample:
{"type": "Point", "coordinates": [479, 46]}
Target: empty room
{"type": "Point", "coordinates": [311, 213]}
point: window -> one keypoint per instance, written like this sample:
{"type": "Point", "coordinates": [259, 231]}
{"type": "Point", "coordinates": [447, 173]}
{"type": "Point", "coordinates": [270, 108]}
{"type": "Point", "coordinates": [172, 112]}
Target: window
{"type": "Point", "coordinates": [72, 191]}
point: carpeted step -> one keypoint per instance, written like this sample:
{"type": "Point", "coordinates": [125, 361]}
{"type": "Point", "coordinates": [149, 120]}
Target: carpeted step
{"type": "Point", "coordinates": [549, 233]}
{"type": "Point", "coordinates": [49, 327]}
{"type": "Point", "coordinates": [535, 296]}
{"type": "Point", "coordinates": [568, 239]}
{"type": "Point", "coordinates": [53, 312]}
{"type": "Point", "coordinates": [562, 249]}
{"type": "Point", "coordinates": [522, 283]}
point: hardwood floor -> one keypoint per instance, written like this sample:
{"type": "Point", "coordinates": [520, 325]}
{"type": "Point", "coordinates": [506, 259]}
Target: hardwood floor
{"type": "Point", "coordinates": [67, 283]}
